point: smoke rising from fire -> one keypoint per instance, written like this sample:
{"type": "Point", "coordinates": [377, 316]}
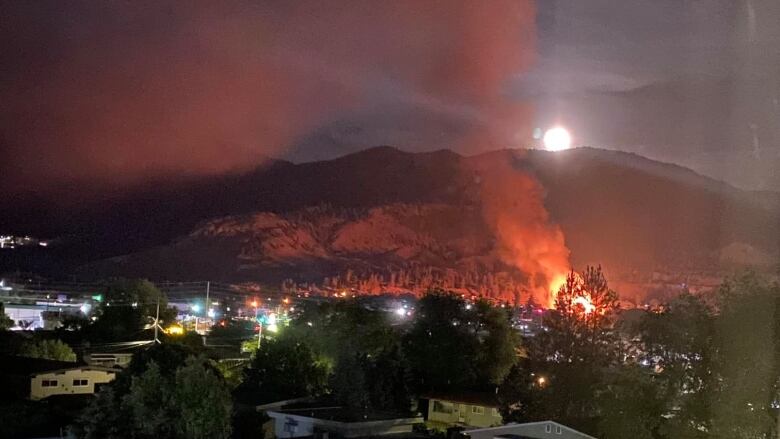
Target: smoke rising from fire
{"type": "Point", "coordinates": [513, 206]}
{"type": "Point", "coordinates": [122, 91]}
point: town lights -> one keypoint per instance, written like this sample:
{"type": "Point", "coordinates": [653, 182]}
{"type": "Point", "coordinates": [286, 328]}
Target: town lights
{"type": "Point", "coordinates": [174, 330]}
{"type": "Point", "coordinates": [195, 308]}
{"type": "Point", "coordinates": [272, 326]}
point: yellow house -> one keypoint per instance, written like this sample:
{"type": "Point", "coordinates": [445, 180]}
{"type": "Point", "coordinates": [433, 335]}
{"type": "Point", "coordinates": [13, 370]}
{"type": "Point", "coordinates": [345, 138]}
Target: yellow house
{"type": "Point", "coordinates": [79, 380]}
{"type": "Point", "coordinates": [36, 378]}
{"type": "Point", "coordinates": [476, 410]}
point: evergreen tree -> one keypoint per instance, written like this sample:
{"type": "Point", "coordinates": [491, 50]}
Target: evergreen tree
{"type": "Point", "coordinates": [5, 321]}
{"type": "Point", "coordinates": [49, 350]}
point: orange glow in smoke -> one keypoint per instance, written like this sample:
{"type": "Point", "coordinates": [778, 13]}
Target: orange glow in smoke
{"type": "Point", "coordinates": [556, 283]}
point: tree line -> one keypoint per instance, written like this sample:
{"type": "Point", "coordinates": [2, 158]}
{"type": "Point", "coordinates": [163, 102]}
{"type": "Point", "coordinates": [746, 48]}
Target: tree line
{"type": "Point", "coordinates": [699, 367]}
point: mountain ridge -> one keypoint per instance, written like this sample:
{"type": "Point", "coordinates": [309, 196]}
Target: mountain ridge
{"type": "Point", "coordinates": [627, 212]}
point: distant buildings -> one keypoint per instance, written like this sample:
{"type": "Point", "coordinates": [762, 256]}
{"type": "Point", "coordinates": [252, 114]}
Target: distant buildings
{"type": "Point", "coordinates": [475, 410]}
{"type": "Point", "coordinates": [11, 242]}
{"type": "Point", "coordinates": [108, 360]}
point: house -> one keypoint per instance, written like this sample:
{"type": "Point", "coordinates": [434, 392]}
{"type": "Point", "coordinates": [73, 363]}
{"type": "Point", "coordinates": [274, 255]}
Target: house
{"type": "Point", "coordinates": [338, 422]}
{"type": "Point", "coordinates": [528, 430]}
{"type": "Point", "coordinates": [472, 410]}
{"type": "Point", "coordinates": [110, 360]}
{"type": "Point", "coordinates": [36, 378]}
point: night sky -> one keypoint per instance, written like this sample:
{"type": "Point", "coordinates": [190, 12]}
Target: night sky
{"type": "Point", "coordinates": [118, 92]}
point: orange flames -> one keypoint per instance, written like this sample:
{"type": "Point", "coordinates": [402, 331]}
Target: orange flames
{"type": "Point", "coordinates": [585, 302]}
{"type": "Point", "coordinates": [556, 283]}
{"type": "Point", "coordinates": [513, 206]}
{"type": "Point", "coordinates": [574, 296]}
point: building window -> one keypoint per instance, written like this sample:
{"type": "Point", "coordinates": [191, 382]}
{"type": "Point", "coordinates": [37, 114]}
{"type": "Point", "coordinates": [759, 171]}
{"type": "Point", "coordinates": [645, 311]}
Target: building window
{"type": "Point", "coordinates": [49, 383]}
{"type": "Point", "coordinates": [496, 414]}
{"type": "Point", "coordinates": [80, 383]}
{"type": "Point", "coordinates": [548, 428]}
{"type": "Point", "coordinates": [477, 410]}
{"type": "Point", "coordinates": [440, 407]}
{"type": "Point", "coordinates": [558, 429]}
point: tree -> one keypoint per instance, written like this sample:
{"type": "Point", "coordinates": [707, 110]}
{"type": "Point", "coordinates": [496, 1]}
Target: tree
{"type": "Point", "coordinates": [517, 395]}
{"type": "Point", "coordinates": [327, 327]}
{"type": "Point", "coordinates": [746, 336]}
{"type": "Point", "coordinates": [283, 368]}
{"type": "Point", "coordinates": [5, 321]}
{"type": "Point", "coordinates": [716, 368]}
{"type": "Point", "coordinates": [128, 308]}
{"type": "Point", "coordinates": [631, 406]}
{"type": "Point", "coordinates": [440, 336]}
{"type": "Point", "coordinates": [570, 357]}
{"type": "Point", "coordinates": [104, 417]}
{"type": "Point", "coordinates": [369, 369]}
{"type": "Point", "coordinates": [474, 346]}
{"type": "Point", "coordinates": [387, 379]}
{"type": "Point", "coordinates": [150, 404]}
{"type": "Point", "coordinates": [164, 393]}
{"type": "Point", "coordinates": [234, 332]}
{"type": "Point", "coordinates": [498, 343]}
{"type": "Point", "coordinates": [202, 402]}
{"type": "Point", "coordinates": [348, 381]}
{"type": "Point", "coordinates": [678, 344]}
{"type": "Point", "coordinates": [49, 350]}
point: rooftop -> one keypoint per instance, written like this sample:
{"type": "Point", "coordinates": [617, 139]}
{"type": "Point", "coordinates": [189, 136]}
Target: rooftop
{"type": "Point", "coordinates": [340, 414]}
{"type": "Point", "coordinates": [471, 398]}
{"type": "Point", "coordinates": [23, 366]}
{"type": "Point", "coordinates": [13, 365]}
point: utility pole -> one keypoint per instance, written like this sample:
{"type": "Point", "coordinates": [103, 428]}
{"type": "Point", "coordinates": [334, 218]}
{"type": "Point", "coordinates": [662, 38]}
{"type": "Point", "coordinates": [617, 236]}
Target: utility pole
{"type": "Point", "coordinates": [157, 320]}
{"type": "Point", "coordinates": [208, 304]}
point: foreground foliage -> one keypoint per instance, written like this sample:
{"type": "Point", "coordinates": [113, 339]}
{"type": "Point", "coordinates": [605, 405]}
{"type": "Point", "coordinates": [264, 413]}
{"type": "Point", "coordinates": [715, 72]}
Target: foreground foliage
{"type": "Point", "coordinates": [165, 393]}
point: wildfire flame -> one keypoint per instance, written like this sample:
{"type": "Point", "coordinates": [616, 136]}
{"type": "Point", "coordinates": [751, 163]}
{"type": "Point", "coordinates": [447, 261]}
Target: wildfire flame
{"type": "Point", "coordinates": [586, 304]}
{"type": "Point", "coordinates": [583, 299]}
{"type": "Point", "coordinates": [556, 283]}
{"type": "Point", "coordinates": [513, 207]}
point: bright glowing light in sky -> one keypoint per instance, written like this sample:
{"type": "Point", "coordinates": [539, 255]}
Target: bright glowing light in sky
{"type": "Point", "coordinates": [557, 139]}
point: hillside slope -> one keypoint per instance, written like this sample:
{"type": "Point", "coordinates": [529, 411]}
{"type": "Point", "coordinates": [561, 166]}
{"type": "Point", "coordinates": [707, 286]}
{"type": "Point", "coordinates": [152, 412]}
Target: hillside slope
{"type": "Point", "coordinates": [385, 211]}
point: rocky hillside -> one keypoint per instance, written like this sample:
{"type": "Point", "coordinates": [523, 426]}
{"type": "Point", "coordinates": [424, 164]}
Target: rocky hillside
{"type": "Point", "coordinates": [419, 218]}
